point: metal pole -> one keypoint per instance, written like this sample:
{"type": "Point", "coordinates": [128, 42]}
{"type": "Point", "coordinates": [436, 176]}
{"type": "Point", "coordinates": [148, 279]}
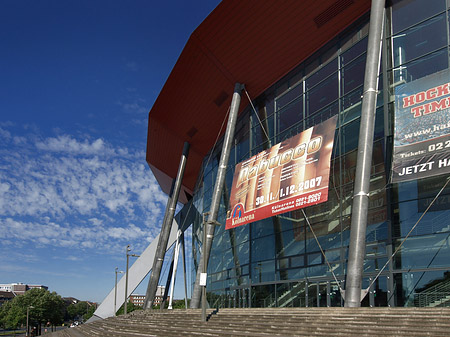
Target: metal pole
{"type": "Point", "coordinates": [364, 161]}
{"type": "Point", "coordinates": [126, 282]}
{"type": "Point", "coordinates": [215, 203]}
{"type": "Point", "coordinates": [205, 268]}
{"type": "Point", "coordinates": [115, 291]}
{"type": "Point", "coordinates": [166, 288]}
{"type": "Point", "coordinates": [115, 294]}
{"type": "Point", "coordinates": [175, 267]}
{"type": "Point", "coordinates": [165, 231]}
{"type": "Point", "coordinates": [28, 311]}
{"type": "Point", "coordinates": [184, 272]}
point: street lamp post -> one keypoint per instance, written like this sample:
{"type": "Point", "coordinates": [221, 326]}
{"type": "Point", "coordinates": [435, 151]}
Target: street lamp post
{"type": "Point", "coordinates": [115, 291]}
{"type": "Point", "coordinates": [126, 278]}
{"type": "Point", "coordinates": [28, 314]}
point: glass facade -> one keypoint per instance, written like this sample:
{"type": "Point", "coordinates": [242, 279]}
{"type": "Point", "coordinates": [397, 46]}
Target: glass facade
{"type": "Point", "coordinates": [277, 262]}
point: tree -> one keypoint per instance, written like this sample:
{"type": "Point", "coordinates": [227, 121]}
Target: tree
{"type": "Point", "coordinates": [77, 310]}
{"type": "Point", "coordinates": [130, 307]}
{"type": "Point", "coordinates": [47, 307]}
{"type": "Point", "coordinates": [80, 310]}
{"type": "Point", "coordinates": [179, 304]}
{"type": "Point", "coordinates": [90, 312]}
{"type": "Point", "coordinates": [11, 317]}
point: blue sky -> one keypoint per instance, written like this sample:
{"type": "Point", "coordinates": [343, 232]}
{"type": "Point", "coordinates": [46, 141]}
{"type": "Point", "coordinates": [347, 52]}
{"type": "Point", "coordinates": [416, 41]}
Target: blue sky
{"type": "Point", "coordinates": [77, 79]}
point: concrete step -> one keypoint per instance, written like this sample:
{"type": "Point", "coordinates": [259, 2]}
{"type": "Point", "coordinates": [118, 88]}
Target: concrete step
{"type": "Point", "coordinates": [274, 322]}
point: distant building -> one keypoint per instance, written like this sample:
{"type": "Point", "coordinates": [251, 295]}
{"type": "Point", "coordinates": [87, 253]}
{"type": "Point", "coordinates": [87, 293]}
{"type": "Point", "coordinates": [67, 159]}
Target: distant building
{"type": "Point", "coordinates": [20, 288]}
{"type": "Point", "coordinates": [137, 300]}
{"type": "Point", "coordinates": [70, 300]}
{"type": "Point", "coordinates": [159, 295]}
{"type": "Point", "coordinates": [6, 296]}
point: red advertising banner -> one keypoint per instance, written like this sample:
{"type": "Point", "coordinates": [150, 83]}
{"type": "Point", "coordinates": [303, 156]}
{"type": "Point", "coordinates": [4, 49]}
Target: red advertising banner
{"type": "Point", "coordinates": [290, 175]}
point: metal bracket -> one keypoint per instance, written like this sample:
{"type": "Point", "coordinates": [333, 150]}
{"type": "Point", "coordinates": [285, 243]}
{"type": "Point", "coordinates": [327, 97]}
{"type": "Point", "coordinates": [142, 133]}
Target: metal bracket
{"type": "Point", "coordinates": [361, 194]}
{"type": "Point", "coordinates": [214, 223]}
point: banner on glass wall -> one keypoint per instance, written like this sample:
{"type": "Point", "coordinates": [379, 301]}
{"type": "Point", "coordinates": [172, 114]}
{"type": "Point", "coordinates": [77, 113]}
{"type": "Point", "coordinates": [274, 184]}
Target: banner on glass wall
{"type": "Point", "coordinates": [422, 128]}
{"type": "Point", "coordinates": [290, 175]}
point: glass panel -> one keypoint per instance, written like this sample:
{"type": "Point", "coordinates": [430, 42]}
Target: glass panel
{"type": "Point", "coordinates": [425, 66]}
{"type": "Point", "coordinates": [351, 104]}
{"type": "Point", "coordinates": [263, 248]}
{"type": "Point", "coordinates": [321, 74]}
{"type": "Point", "coordinates": [263, 296]}
{"type": "Point", "coordinates": [298, 261]}
{"type": "Point", "coordinates": [314, 259]}
{"type": "Point", "coordinates": [262, 228]}
{"type": "Point", "coordinates": [335, 295]}
{"type": "Point", "coordinates": [292, 295]}
{"type": "Point", "coordinates": [283, 294]}
{"type": "Point", "coordinates": [292, 274]}
{"type": "Point", "coordinates": [350, 133]}
{"type": "Point", "coordinates": [420, 40]}
{"type": "Point", "coordinates": [425, 189]}
{"type": "Point", "coordinates": [242, 252]}
{"type": "Point", "coordinates": [290, 115]}
{"type": "Point", "coordinates": [353, 74]}
{"type": "Point", "coordinates": [289, 243]}
{"type": "Point", "coordinates": [407, 12]}
{"type": "Point", "coordinates": [228, 260]}
{"type": "Point", "coordinates": [380, 292]}
{"type": "Point", "coordinates": [312, 295]}
{"type": "Point", "coordinates": [263, 271]}
{"type": "Point", "coordinates": [355, 51]}
{"type": "Point", "coordinates": [289, 96]}
{"type": "Point", "coordinates": [434, 221]}
{"type": "Point", "coordinates": [365, 302]}
{"type": "Point", "coordinates": [321, 116]}
{"type": "Point", "coordinates": [424, 252]}
{"type": "Point", "coordinates": [423, 289]}
{"type": "Point", "coordinates": [242, 234]}
{"type": "Point", "coordinates": [259, 139]}
{"type": "Point", "coordinates": [242, 148]}
{"type": "Point", "coordinates": [323, 293]}
{"type": "Point", "coordinates": [333, 255]}
{"type": "Point", "coordinates": [318, 270]}
{"type": "Point", "coordinates": [322, 94]}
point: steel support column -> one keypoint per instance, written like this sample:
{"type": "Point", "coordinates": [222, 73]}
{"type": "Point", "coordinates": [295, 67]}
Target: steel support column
{"type": "Point", "coordinates": [165, 231]}
{"type": "Point", "coordinates": [184, 272]}
{"type": "Point", "coordinates": [176, 255]}
{"type": "Point", "coordinates": [360, 206]}
{"type": "Point", "coordinates": [215, 203]}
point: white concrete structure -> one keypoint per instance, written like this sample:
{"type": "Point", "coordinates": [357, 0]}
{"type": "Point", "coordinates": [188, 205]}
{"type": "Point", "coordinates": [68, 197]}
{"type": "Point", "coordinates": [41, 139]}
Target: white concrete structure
{"type": "Point", "coordinates": [137, 272]}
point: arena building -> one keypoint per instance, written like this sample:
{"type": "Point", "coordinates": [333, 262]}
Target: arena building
{"type": "Point", "coordinates": [302, 63]}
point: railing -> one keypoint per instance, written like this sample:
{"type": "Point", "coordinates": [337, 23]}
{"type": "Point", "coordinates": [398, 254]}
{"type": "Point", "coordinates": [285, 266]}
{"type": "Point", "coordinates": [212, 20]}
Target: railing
{"type": "Point", "coordinates": [286, 298]}
{"type": "Point", "coordinates": [437, 295]}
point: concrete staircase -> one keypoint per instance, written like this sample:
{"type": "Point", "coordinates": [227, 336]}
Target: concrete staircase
{"type": "Point", "coordinates": [273, 322]}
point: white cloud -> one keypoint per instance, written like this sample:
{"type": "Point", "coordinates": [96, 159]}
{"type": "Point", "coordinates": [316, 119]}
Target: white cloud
{"type": "Point", "coordinates": [135, 107]}
{"type": "Point", "coordinates": [76, 193]}
{"type": "Point", "coordinates": [72, 146]}
{"type": "Point", "coordinates": [5, 134]}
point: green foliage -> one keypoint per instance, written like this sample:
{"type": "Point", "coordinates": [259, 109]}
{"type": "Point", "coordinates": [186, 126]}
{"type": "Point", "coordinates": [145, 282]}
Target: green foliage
{"type": "Point", "coordinates": [176, 304]}
{"type": "Point", "coordinates": [11, 316]}
{"type": "Point", "coordinates": [179, 304]}
{"type": "Point", "coordinates": [79, 310]}
{"type": "Point", "coordinates": [130, 307]}
{"type": "Point", "coordinates": [43, 307]}
{"type": "Point", "coordinates": [90, 312]}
